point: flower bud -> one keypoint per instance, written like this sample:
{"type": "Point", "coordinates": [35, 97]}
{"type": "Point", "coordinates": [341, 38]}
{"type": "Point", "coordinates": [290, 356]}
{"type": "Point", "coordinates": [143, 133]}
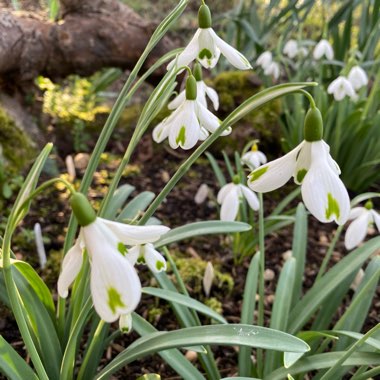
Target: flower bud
{"type": "Point", "coordinates": [82, 209]}
{"type": "Point", "coordinates": [313, 127]}
{"type": "Point", "coordinates": [204, 17]}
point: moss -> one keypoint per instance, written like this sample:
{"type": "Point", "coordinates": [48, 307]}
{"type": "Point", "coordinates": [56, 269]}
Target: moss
{"type": "Point", "coordinates": [214, 304]}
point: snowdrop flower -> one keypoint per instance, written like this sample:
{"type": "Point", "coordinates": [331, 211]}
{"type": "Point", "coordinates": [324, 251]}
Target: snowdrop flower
{"type": "Point", "coordinates": [291, 49]}
{"type": "Point", "coordinates": [229, 197]}
{"type": "Point", "coordinates": [264, 59]}
{"type": "Point", "coordinates": [273, 69]}
{"type": "Point", "coordinates": [147, 254]}
{"type": "Point", "coordinates": [254, 158]}
{"type": "Point", "coordinates": [190, 122]}
{"type": "Point", "coordinates": [340, 88]}
{"type": "Point", "coordinates": [115, 285]}
{"type": "Point", "coordinates": [125, 323]}
{"type": "Point", "coordinates": [206, 46]}
{"type": "Point", "coordinates": [362, 218]}
{"type": "Point", "coordinates": [202, 91]}
{"type": "Point", "coordinates": [357, 77]}
{"type": "Point", "coordinates": [312, 167]}
{"type": "Point", "coordinates": [323, 48]}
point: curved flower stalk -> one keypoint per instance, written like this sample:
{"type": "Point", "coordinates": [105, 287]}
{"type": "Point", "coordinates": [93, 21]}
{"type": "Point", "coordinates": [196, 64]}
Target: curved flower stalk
{"type": "Point", "coordinates": [357, 77]}
{"type": "Point", "coordinates": [202, 91]}
{"type": "Point", "coordinates": [115, 285]}
{"type": "Point", "coordinates": [189, 123]}
{"type": "Point", "coordinates": [312, 167]}
{"type": "Point", "coordinates": [340, 88]}
{"type": "Point", "coordinates": [323, 49]}
{"type": "Point", "coordinates": [292, 49]}
{"type": "Point", "coordinates": [362, 217]}
{"type": "Point", "coordinates": [229, 197]}
{"type": "Point", "coordinates": [206, 46]}
{"type": "Point", "coordinates": [254, 158]}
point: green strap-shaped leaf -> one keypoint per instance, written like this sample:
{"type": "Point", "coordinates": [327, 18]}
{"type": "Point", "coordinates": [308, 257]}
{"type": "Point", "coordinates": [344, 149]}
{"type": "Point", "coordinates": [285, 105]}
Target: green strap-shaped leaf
{"type": "Point", "coordinates": [136, 205]}
{"type": "Point", "coordinates": [185, 301]}
{"type": "Point", "coordinates": [230, 335]}
{"type": "Point", "coordinates": [117, 201]}
{"type": "Point", "coordinates": [12, 365]}
{"type": "Point", "coordinates": [201, 228]}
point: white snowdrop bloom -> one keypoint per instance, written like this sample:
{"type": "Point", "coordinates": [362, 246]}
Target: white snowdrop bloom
{"type": "Point", "coordinates": [312, 167]}
{"type": "Point", "coordinates": [273, 69]}
{"type": "Point", "coordinates": [206, 46]}
{"type": "Point", "coordinates": [189, 123]}
{"type": "Point", "coordinates": [363, 217]}
{"type": "Point", "coordinates": [114, 283]}
{"type": "Point", "coordinates": [264, 59]}
{"type": "Point", "coordinates": [340, 88]}
{"type": "Point", "coordinates": [146, 254]}
{"type": "Point", "coordinates": [291, 49]}
{"type": "Point", "coordinates": [125, 323]}
{"type": "Point", "coordinates": [202, 91]}
{"type": "Point", "coordinates": [229, 197]}
{"type": "Point", "coordinates": [357, 77]}
{"type": "Point", "coordinates": [323, 48]}
{"type": "Point", "coordinates": [254, 158]}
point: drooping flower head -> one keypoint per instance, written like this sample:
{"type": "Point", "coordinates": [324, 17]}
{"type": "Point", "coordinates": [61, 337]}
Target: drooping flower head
{"type": "Point", "coordinates": [340, 88]}
{"type": "Point", "coordinates": [189, 123]}
{"type": "Point", "coordinates": [323, 49]}
{"type": "Point", "coordinates": [206, 46]}
{"type": "Point", "coordinates": [254, 158]}
{"type": "Point", "coordinates": [357, 77]}
{"type": "Point", "coordinates": [115, 285]}
{"type": "Point", "coordinates": [229, 197]}
{"type": "Point", "coordinates": [270, 67]}
{"type": "Point", "coordinates": [202, 91]}
{"type": "Point", "coordinates": [292, 49]}
{"type": "Point", "coordinates": [312, 167]}
{"type": "Point", "coordinates": [362, 218]}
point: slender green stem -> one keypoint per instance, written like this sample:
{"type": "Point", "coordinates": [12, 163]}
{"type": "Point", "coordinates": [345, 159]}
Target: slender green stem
{"type": "Point", "coordinates": [309, 97]}
{"type": "Point", "coordinates": [329, 253]}
{"type": "Point", "coordinates": [260, 321]}
{"type": "Point", "coordinates": [369, 374]}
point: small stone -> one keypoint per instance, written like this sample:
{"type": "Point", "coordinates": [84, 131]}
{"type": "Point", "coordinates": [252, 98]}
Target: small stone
{"type": "Point", "coordinates": [270, 299]}
{"type": "Point", "coordinates": [81, 160]}
{"type": "Point", "coordinates": [191, 355]}
{"type": "Point", "coordinates": [357, 280]}
{"type": "Point", "coordinates": [287, 255]}
{"type": "Point", "coordinates": [323, 239]}
{"type": "Point", "coordinates": [165, 176]}
{"type": "Point", "coordinates": [201, 194]}
{"type": "Point", "coordinates": [269, 275]}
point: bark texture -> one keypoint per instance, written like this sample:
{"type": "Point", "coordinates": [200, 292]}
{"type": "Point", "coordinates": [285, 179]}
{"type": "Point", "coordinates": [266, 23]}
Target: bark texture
{"type": "Point", "coordinates": [90, 35]}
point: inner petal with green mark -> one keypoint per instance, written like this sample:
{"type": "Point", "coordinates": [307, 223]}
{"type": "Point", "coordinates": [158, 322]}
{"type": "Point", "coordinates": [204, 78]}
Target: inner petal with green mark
{"type": "Point", "coordinates": [332, 207]}
{"type": "Point", "coordinates": [255, 175]}
{"type": "Point", "coordinates": [114, 299]}
{"type": "Point", "coordinates": [159, 265]}
{"type": "Point", "coordinates": [301, 175]}
{"type": "Point", "coordinates": [181, 138]}
{"type": "Point", "coordinates": [205, 53]}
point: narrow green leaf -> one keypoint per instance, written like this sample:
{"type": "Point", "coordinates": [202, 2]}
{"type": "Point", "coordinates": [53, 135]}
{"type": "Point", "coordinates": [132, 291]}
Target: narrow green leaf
{"type": "Point", "coordinates": [117, 201]}
{"type": "Point", "coordinates": [216, 168]}
{"type": "Point", "coordinates": [185, 301]}
{"type": "Point", "coordinates": [230, 335]}
{"type": "Point", "coordinates": [136, 206]}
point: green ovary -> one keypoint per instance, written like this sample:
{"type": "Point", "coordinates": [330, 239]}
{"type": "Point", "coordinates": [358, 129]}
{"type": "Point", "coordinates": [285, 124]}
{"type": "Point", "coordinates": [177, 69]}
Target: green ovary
{"type": "Point", "coordinates": [258, 173]}
{"type": "Point", "coordinates": [332, 207]}
{"type": "Point", "coordinates": [181, 138]}
{"type": "Point", "coordinates": [114, 299]}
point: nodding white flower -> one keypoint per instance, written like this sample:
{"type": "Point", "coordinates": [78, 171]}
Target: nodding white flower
{"type": "Point", "coordinates": [362, 217]}
{"type": "Point", "coordinates": [340, 88]}
{"type": "Point", "coordinates": [190, 122]}
{"type": "Point", "coordinates": [357, 77]}
{"type": "Point", "coordinates": [146, 254]}
{"type": "Point", "coordinates": [254, 158]}
{"type": "Point", "coordinates": [125, 323]}
{"type": "Point", "coordinates": [264, 59]}
{"type": "Point", "coordinates": [229, 197]}
{"type": "Point", "coordinates": [273, 69]}
{"type": "Point", "coordinates": [313, 168]}
{"type": "Point", "coordinates": [323, 48]}
{"type": "Point", "coordinates": [202, 91]}
{"type": "Point", "coordinates": [114, 283]}
{"type": "Point", "coordinates": [291, 49]}
{"type": "Point", "coordinates": [206, 46]}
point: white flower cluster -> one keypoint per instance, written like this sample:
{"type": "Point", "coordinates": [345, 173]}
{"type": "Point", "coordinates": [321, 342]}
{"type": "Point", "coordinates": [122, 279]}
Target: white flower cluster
{"type": "Point", "coordinates": [270, 67]}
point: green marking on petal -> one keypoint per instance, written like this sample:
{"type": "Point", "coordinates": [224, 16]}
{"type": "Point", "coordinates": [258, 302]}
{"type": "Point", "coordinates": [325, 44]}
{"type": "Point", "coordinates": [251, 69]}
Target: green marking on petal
{"type": "Point", "coordinates": [160, 265]}
{"type": "Point", "coordinates": [114, 300]}
{"type": "Point", "coordinates": [205, 53]}
{"type": "Point", "coordinates": [301, 175]}
{"type": "Point", "coordinates": [122, 248]}
{"type": "Point", "coordinates": [332, 207]}
{"type": "Point", "coordinates": [125, 330]}
{"type": "Point", "coordinates": [256, 174]}
{"type": "Point", "coordinates": [141, 260]}
{"type": "Point", "coordinates": [181, 138]}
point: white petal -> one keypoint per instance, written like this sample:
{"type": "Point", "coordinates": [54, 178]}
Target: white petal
{"type": "Point", "coordinates": [230, 206]}
{"type": "Point", "coordinates": [291, 49]}
{"type": "Point", "coordinates": [376, 219]}
{"type": "Point", "coordinates": [357, 77]}
{"type": "Point", "coordinates": [262, 157]}
{"type": "Point", "coordinates": [155, 261]}
{"type": "Point", "coordinates": [356, 212]}
{"type": "Point", "coordinates": [115, 286]}
{"type": "Point", "coordinates": [213, 95]}
{"type": "Point", "coordinates": [209, 121]}
{"type": "Point", "coordinates": [161, 131]}
{"type": "Point", "coordinates": [208, 53]}
{"type": "Point", "coordinates": [132, 254]}
{"type": "Point", "coordinates": [264, 59]}
{"type": "Point", "coordinates": [125, 323]}
{"type": "Point", "coordinates": [204, 134]}
{"type": "Point", "coordinates": [233, 56]}
{"type": "Point", "coordinates": [251, 197]}
{"type": "Point", "coordinates": [177, 101]}
{"type": "Point", "coordinates": [224, 191]}
{"type": "Point", "coordinates": [201, 93]}
{"type": "Point", "coordinates": [188, 54]}
{"type": "Point", "coordinates": [71, 266]}
{"type": "Point", "coordinates": [251, 159]}
{"type": "Point", "coordinates": [323, 48]}
{"type": "Point", "coordinates": [356, 231]}
{"type": "Point", "coordinates": [323, 192]}
{"type": "Point", "coordinates": [274, 174]}
{"type": "Point", "coordinates": [303, 163]}
{"type": "Point", "coordinates": [135, 235]}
